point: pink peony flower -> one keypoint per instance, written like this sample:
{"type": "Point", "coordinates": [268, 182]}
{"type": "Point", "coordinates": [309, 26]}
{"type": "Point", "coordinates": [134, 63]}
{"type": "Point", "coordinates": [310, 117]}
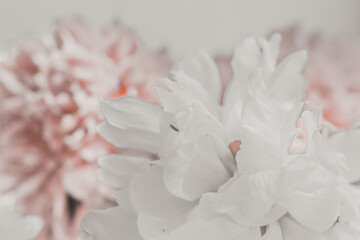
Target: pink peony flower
{"type": "Point", "coordinates": [49, 107]}
{"type": "Point", "coordinates": [333, 74]}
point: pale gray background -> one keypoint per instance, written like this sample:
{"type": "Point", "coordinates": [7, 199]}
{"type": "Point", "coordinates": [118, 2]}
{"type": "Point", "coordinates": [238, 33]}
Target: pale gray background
{"type": "Point", "coordinates": [182, 26]}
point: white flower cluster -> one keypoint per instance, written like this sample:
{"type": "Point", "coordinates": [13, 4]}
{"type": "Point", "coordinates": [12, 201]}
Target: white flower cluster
{"type": "Point", "coordinates": [224, 171]}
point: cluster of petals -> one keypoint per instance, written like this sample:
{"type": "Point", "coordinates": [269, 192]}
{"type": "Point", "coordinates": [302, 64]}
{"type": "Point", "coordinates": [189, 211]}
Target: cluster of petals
{"type": "Point", "coordinates": [332, 71]}
{"type": "Point", "coordinates": [49, 106]}
{"type": "Point", "coordinates": [222, 169]}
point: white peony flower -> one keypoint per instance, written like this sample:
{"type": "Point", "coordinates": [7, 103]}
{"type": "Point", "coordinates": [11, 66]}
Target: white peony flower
{"type": "Point", "coordinates": [224, 171]}
{"type": "Point", "coordinates": [14, 226]}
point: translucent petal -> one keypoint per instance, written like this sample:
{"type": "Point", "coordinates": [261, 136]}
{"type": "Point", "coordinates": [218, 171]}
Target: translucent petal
{"type": "Point", "coordinates": [131, 113]}
{"type": "Point", "coordinates": [251, 199]}
{"type": "Point", "coordinates": [287, 84]}
{"type": "Point", "coordinates": [291, 230]}
{"type": "Point", "coordinates": [347, 142]}
{"type": "Point", "coordinates": [129, 138]}
{"type": "Point", "coordinates": [317, 211]}
{"type": "Point", "coordinates": [202, 68]}
{"type": "Point", "coordinates": [149, 195]}
{"type": "Point", "coordinates": [111, 224]}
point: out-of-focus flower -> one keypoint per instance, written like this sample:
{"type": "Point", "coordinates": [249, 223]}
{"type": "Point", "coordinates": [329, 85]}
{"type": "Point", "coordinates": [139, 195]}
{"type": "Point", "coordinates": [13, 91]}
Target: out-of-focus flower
{"type": "Point", "coordinates": [14, 226]}
{"type": "Point", "coordinates": [224, 170]}
{"type": "Point", "coordinates": [49, 110]}
{"type": "Point", "coordinates": [333, 73]}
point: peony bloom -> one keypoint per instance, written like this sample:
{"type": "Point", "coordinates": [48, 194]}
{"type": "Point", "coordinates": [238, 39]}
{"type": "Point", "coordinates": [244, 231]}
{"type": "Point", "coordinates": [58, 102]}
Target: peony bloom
{"type": "Point", "coordinates": [333, 73]}
{"type": "Point", "coordinates": [14, 226]}
{"type": "Point", "coordinates": [49, 108]}
{"type": "Point", "coordinates": [222, 170]}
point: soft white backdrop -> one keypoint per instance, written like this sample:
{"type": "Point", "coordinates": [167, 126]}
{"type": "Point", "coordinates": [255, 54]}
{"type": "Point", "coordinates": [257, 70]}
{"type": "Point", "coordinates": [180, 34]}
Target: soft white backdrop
{"type": "Point", "coordinates": [184, 25]}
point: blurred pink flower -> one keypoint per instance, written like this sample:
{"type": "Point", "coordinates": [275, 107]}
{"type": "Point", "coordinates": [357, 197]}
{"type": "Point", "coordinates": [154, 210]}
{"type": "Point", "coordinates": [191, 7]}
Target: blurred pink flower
{"type": "Point", "coordinates": [49, 107]}
{"type": "Point", "coordinates": [332, 71]}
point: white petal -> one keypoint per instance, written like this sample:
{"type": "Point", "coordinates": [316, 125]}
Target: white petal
{"type": "Point", "coordinates": [196, 91]}
{"type": "Point", "coordinates": [149, 195]}
{"type": "Point", "coordinates": [245, 63]}
{"type": "Point", "coordinates": [184, 92]}
{"type": "Point", "coordinates": [344, 231]}
{"type": "Point", "coordinates": [116, 169]}
{"type": "Point", "coordinates": [111, 224]}
{"type": "Point", "coordinates": [291, 230]}
{"type": "Point", "coordinates": [274, 47]}
{"type": "Point", "coordinates": [151, 227]}
{"type": "Point", "coordinates": [262, 145]}
{"type": "Point", "coordinates": [120, 164]}
{"type": "Point", "coordinates": [129, 138]}
{"type": "Point", "coordinates": [247, 58]}
{"type": "Point", "coordinates": [347, 142]}
{"type": "Point", "coordinates": [190, 146]}
{"type": "Point", "coordinates": [171, 102]}
{"type": "Point", "coordinates": [122, 197]}
{"type": "Point", "coordinates": [253, 54]}
{"type": "Point", "coordinates": [287, 83]}
{"type": "Point", "coordinates": [131, 113]}
{"type": "Point", "coordinates": [85, 236]}
{"type": "Point", "coordinates": [251, 199]}
{"type": "Point", "coordinates": [111, 179]}
{"type": "Point", "coordinates": [317, 211]}
{"type": "Point", "coordinates": [201, 67]}
{"type": "Point", "coordinates": [213, 229]}
{"type": "Point", "coordinates": [273, 232]}
{"type": "Point", "coordinates": [189, 179]}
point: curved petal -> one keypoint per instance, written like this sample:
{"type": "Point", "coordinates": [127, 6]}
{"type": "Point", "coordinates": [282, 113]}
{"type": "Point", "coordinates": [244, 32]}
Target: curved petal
{"type": "Point", "coordinates": [197, 91]}
{"type": "Point", "coordinates": [201, 67]}
{"type": "Point", "coordinates": [131, 113]}
{"type": "Point", "coordinates": [148, 194]}
{"type": "Point", "coordinates": [287, 84]}
{"type": "Point", "coordinates": [182, 93]}
{"type": "Point", "coordinates": [151, 227]}
{"type": "Point", "coordinates": [294, 231]}
{"type": "Point", "coordinates": [193, 139]}
{"type": "Point", "coordinates": [213, 229]}
{"type": "Point", "coordinates": [344, 231]}
{"type": "Point", "coordinates": [273, 232]}
{"type": "Point", "coordinates": [116, 169]}
{"type": "Point", "coordinates": [121, 164]}
{"type": "Point", "coordinates": [190, 179]}
{"type": "Point", "coordinates": [347, 142]}
{"type": "Point", "coordinates": [251, 200]}
{"type": "Point", "coordinates": [250, 56]}
{"type": "Point", "coordinates": [317, 211]}
{"type": "Point", "coordinates": [266, 133]}
{"type": "Point", "coordinates": [129, 138]}
{"type": "Point", "coordinates": [245, 62]}
{"type": "Point", "coordinates": [111, 224]}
